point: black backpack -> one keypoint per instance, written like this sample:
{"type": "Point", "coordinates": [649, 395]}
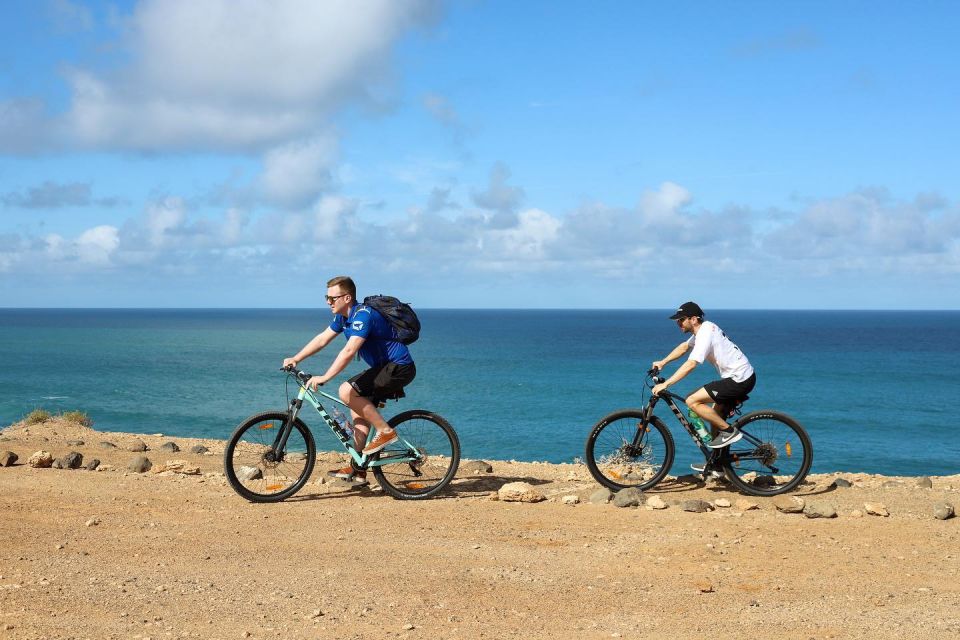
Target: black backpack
{"type": "Point", "coordinates": [405, 323]}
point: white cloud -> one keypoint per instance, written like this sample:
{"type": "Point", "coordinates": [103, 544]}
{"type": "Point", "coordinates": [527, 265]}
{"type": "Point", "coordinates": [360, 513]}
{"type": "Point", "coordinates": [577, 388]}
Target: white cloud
{"type": "Point", "coordinates": [236, 73]}
{"type": "Point", "coordinates": [298, 172]}
{"type": "Point", "coordinates": [96, 245]}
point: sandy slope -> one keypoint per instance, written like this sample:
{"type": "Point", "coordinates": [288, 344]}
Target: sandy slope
{"type": "Point", "coordinates": [111, 554]}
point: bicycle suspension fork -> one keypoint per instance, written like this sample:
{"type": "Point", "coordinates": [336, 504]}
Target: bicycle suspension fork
{"type": "Point", "coordinates": [280, 443]}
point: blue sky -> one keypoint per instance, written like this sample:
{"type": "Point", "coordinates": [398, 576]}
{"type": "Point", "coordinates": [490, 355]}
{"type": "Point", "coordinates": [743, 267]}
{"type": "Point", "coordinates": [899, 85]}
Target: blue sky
{"type": "Point", "coordinates": [232, 153]}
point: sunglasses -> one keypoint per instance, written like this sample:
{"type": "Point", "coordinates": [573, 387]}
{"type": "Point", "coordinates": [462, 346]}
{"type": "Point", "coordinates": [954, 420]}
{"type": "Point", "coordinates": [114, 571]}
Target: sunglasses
{"type": "Point", "coordinates": [332, 299]}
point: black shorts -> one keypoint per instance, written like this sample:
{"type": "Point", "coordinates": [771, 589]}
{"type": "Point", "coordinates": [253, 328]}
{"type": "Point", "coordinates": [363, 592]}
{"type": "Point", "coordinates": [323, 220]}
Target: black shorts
{"type": "Point", "coordinates": [385, 382]}
{"type": "Point", "coordinates": [727, 392]}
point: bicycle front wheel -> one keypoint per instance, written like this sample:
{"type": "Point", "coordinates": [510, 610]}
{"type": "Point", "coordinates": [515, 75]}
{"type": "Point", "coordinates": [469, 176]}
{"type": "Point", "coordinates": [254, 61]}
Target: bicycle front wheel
{"type": "Point", "coordinates": [258, 471]}
{"type": "Point", "coordinates": [422, 461]}
{"type": "Point", "coordinates": [773, 457]}
{"type": "Point", "coordinates": [622, 452]}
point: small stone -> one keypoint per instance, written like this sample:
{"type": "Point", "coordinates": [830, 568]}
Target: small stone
{"type": "Point", "coordinates": [140, 464]}
{"type": "Point", "coordinates": [746, 505]}
{"type": "Point", "coordinates": [92, 522]}
{"type": "Point", "coordinates": [629, 497]}
{"type": "Point", "coordinates": [876, 509]}
{"type": "Point", "coordinates": [925, 483]}
{"type": "Point", "coordinates": [178, 466]}
{"type": "Point", "coordinates": [943, 511]}
{"type": "Point", "coordinates": [892, 484]}
{"type": "Point", "coordinates": [696, 506]}
{"type": "Point", "coordinates": [572, 499]}
{"type": "Point", "coordinates": [316, 613]}
{"type": "Point", "coordinates": [788, 504]}
{"type": "Point", "coordinates": [92, 465]}
{"type": "Point", "coordinates": [40, 460]}
{"type": "Point", "coordinates": [8, 458]}
{"type": "Point", "coordinates": [107, 445]}
{"type": "Point", "coordinates": [249, 473]}
{"type": "Point", "coordinates": [601, 496]}
{"type": "Point", "coordinates": [172, 447]}
{"type": "Point", "coordinates": [408, 627]}
{"type": "Point", "coordinates": [704, 585]}
{"type": "Point", "coordinates": [819, 510]}
{"type": "Point", "coordinates": [520, 492]}
{"type": "Point", "coordinates": [199, 449]}
{"type": "Point", "coordinates": [856, 513]}
{"type": "Point", "coordinates": [721, 502]}
{"type": "Point", "coordinates": [475, 467]}
{"type": "Point", "coordinates": [75, 443]}
{"type": "Point", "coordinates": [841, 483]}
{"type": "Point", "coordinates": [656, 502]}
{"type": "Point", "coordinates": [138, 446]}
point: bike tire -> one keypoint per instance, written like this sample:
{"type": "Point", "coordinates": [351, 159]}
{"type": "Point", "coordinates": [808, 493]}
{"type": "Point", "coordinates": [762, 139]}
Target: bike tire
{"type": "Point", "coordinates": [612, 461]}
{"type": "Point", "coordinates": [436, 443]}
{"type": "Point", "coordinates": [250, 447]}
{"type": "Point", "coordinates": [764, 461]}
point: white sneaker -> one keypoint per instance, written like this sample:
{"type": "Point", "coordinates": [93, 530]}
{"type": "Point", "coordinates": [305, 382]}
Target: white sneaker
{"type": "Point", "coordinates": [726, 438]}
{"type": "Point", "coordinates": [713, 475]}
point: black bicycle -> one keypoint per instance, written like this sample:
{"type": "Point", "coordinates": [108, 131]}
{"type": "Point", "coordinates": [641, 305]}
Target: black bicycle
{"type": "Point", "coordinates": [634, 448]}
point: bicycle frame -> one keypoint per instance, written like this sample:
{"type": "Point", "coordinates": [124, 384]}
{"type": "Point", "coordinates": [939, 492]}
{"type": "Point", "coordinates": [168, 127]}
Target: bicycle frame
{"type": "Point", "coordinates": [672, 399]}
{"type": "Point", "coordinates": [361, 461]}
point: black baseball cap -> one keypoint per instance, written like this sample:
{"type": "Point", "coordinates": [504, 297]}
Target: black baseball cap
{"type": "Point", "coordinates": [688, 310]}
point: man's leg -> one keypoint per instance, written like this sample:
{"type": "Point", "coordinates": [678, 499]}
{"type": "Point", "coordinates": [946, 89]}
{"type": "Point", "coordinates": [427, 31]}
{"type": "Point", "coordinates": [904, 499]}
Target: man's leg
{"type": "Point", "coordinates": [365, 409]}
{"type": "Point", "coordinates": [701, 402]}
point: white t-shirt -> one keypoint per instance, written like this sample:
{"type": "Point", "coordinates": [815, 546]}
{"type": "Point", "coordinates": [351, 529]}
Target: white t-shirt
{"type": "Point", "coordinates": [711, 344]}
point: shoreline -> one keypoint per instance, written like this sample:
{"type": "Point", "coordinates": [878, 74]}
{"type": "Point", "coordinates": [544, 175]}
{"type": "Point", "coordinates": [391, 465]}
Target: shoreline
{"type": "Point", "coordinates": [118, 554]}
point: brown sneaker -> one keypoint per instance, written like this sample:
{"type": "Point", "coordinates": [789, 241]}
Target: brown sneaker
{"type": "Point", "coordinates": [357, 476]}
{"type": "Point", "coordinates": [379, 442]}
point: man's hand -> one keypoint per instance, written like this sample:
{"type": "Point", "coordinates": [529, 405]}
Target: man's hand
{"type": "Point", "coordinates": [289, 362]}
{"type": "Point", "coordinates": [315, 382]}
{"type": "Point", "coordinates": [659, 387]}
{"type": "Point", "coordinates": [658, 364]}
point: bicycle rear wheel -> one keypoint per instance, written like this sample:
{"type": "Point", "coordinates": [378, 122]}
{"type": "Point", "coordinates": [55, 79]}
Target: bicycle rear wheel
{"type": "Point", "coordinates": [433, 443]}
{"type": "Point", "coordinates": [259, 473]}
{"type": "Point", "coordinates": [773, 457]}
{"type": "Point", "coordinates": [618, 460]}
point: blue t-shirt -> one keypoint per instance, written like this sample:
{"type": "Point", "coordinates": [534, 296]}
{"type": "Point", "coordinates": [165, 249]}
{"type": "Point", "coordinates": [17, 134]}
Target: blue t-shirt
{"type": "Point", "coordinates": [379, 346]}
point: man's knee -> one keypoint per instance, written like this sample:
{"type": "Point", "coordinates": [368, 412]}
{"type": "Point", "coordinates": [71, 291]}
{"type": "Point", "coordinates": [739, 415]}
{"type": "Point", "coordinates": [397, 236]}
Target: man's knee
{"type": "Point", "coordinates": [346, 391]}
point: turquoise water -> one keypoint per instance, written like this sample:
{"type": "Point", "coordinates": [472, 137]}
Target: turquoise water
{"type": "Point", "coordinates": [877, 391]}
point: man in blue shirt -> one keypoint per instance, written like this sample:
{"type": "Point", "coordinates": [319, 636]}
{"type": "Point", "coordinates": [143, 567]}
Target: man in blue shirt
{"type": "Point", "coordinates": [391, 367]}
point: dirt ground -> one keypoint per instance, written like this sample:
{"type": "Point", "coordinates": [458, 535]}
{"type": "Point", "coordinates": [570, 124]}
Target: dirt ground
{"type": "Point", "coordinates": [115, 554]}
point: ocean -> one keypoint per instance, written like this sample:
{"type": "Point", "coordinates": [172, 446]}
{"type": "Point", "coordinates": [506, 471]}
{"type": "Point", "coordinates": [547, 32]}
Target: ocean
{"type": "Point", "coordinates": [876, 390]}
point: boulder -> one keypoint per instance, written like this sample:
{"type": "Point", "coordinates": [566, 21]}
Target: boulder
{"type": "Point", "coordinates": [696, 506]}
{"type": "Point", "coordinates": [656, 502]}
{"type": "Point", "coordinates": [170, 447]}
{"type": "Point", "coordinates": [629, 497]}
{"type": "Point", "coordinates": [7, 458]}
{"type": "Point", "coordinates": [475, 467]}
{"type": "Point", "coordinates": [72, 460]}
{"type": "Point", "coordinates": [789, 504]}
{"type": "Point", "coordinates": [139, 464]}
{"type": "Point", "coordinates": [40, 460]}
{"type": "Point", "coordinates": [107, 445]}
{"type": "Point", "coordinates": [138, 446]}
{"type": "Point", "coordinates": [841, 483]}
{"type": "Point", "coordinates": [601, 496]}
{"type": "Point", "coordinates": [198, 448]}
{"type": "Point", "coordinates": [92, 464]}
{"type": "Point", "coordinates": [178, 466]}
{"type": "Point", "coordinates": [943, 511]}
{"type": "Point", "coordinates": [74, 443]}
{"type": "Point", "coordinates": [819, 510]}
{"type": "Point", "coordinates": [876, 509]}
{"type": "Point", "coordinates": [520, 492]}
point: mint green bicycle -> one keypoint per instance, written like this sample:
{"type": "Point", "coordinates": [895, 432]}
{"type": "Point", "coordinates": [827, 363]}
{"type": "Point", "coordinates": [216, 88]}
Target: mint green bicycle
{"type": "Point", "coordinates": [271, 455]}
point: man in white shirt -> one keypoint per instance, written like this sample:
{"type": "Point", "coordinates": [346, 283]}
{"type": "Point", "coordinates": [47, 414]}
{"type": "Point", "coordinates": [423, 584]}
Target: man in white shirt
{"type": "Point", "coordinates": [737, 378]}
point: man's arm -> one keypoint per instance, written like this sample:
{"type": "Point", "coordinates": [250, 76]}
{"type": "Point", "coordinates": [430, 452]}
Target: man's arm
{"type": "Point", "coordinates": [339, 363]}
{"type": "Point", "coordinates": [319, 342]}
{"type": "Point", "coordinates": [681, 349]}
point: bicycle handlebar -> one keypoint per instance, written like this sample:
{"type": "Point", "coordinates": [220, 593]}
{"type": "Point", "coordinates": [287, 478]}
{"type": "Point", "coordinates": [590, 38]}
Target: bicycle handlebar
{"type": "Point", "coordinates": [302, 376]}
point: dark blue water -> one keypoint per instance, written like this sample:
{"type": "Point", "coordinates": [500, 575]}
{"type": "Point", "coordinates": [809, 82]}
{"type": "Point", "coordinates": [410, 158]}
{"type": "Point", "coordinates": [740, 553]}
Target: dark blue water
{"type": "Point", "coordinates": [877, 391]}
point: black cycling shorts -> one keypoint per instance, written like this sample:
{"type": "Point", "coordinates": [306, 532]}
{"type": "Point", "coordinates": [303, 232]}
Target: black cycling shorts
{"type": "Point", "coordinates": [385, 382]}
{"type": "Point", "coordinates": [727, 392]}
